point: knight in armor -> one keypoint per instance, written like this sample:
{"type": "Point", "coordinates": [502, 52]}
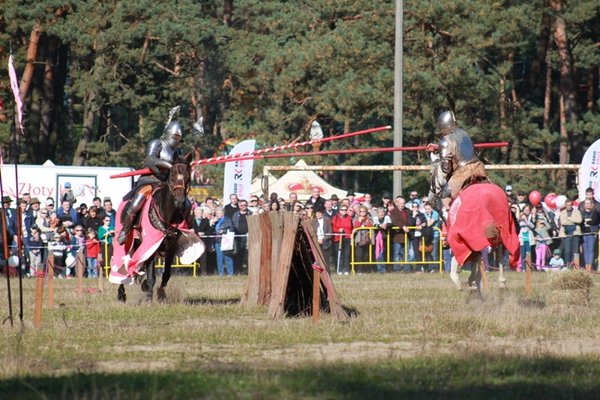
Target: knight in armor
{"type": "Point", "coordinates": [455, 164]}
{"type": "Point", "coordinates": [161, 154]}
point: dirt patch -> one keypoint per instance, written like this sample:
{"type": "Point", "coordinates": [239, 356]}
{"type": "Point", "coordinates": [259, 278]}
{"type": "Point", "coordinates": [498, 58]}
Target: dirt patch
{"type": "Point", "coordinates": [177, 355]}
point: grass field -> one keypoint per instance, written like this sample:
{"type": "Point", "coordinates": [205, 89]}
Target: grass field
{"type": "Point", "coordinates": [413, 336]}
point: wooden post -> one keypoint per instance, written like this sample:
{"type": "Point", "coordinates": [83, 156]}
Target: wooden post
{"type": "Point", "coordinates": [79, 263]}
{"type": "Point", "coordinates": [100, 278]}
{"type": "Point", "coordinates": [50, 276]}
{"type": "Point", "coordinates": [316, 300]}
{"type": "Point", "coordinates": [484, 277]}
{"type": "Point", "coordinates": [39, 294]}
{"type": "Point", "coordinates": [290, 223]}
{"type": "Point", "coordinates": [528, 274]}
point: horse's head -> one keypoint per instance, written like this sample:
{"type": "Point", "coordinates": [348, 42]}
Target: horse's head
{"type": "Point", "coordinates": [179, 180]}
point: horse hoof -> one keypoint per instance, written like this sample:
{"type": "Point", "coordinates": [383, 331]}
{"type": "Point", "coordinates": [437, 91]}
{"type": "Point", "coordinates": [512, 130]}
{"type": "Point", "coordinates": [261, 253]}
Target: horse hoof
{"type": "Point", "coordinates": [144, 285]}
{"type": "Point", "coordinates": [161, 294]}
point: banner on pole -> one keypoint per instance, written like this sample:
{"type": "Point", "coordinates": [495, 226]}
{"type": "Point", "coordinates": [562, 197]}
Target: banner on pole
{"type": "Point", "coordinates": [238, 174]}
{"type": "Point", "coordinates": [14, 84]}
{"type": "Point", "coordinates": [589, 171]}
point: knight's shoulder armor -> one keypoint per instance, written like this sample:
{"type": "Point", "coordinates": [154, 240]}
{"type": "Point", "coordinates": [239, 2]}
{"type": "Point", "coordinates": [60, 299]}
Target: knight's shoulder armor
{"type": "Point", "coordinates": [154, 147]}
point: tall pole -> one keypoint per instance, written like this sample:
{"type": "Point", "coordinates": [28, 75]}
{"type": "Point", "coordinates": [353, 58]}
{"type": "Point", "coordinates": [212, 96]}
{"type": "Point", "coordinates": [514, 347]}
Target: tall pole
{"type": "Point", "coordinates": [397, 176]}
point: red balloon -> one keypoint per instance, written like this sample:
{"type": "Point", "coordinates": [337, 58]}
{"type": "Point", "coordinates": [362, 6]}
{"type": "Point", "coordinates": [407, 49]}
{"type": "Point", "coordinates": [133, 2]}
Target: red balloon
{"type": "Point", "coordinates": [550, 200]}
{"type": "Point", "coordinates": [535, 197]}
{"type": "Point", "coordinates": [575, 203]}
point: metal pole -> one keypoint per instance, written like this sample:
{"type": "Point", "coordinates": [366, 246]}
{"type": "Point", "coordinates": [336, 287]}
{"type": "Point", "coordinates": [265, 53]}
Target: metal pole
{"type": "Point", "coordinates": [398, 57]}
{"type": "Point", "coordinates": [499, 167]}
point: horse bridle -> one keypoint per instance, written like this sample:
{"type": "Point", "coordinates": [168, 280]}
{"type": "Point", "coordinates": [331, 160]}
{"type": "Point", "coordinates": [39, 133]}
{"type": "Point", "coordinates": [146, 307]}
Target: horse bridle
{"type": "Point", "coordinates": [180, 183]}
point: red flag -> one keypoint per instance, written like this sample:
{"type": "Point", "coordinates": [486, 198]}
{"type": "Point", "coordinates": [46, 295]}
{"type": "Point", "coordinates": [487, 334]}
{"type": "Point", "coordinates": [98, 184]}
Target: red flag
{"type": "Point", "coordinates": [14, 84]}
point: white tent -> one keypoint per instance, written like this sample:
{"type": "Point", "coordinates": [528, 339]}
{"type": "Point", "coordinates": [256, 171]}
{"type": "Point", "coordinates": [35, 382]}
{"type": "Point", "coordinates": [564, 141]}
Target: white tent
{"type": "Point", "coordinates": [301, 183]}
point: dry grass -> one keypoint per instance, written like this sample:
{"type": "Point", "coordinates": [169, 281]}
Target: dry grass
{"type": "Point", "coordinates": [203, 327]}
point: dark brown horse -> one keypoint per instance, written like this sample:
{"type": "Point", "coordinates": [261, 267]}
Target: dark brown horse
{"type": "Point", "coordinates": [167, 210]}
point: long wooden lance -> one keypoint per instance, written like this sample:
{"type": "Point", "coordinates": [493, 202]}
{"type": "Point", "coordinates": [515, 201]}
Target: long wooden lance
{"type": "Point", "coordinates": [251, 156]}
{"type": "Point", "coordinates": [356, 151]}
{"type": "Point", "coordinates": [236, 156]}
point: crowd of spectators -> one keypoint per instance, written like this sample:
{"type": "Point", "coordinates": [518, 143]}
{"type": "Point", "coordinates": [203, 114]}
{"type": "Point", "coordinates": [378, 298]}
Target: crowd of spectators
{"type": "Point", "coordinates": [556, 235]}
{"type": "Point", "coordinates": [385, 223]}
{"type": "Point", "coordinates": [62, 231]}
{"type": "Point", "coordinates": [383, 234]}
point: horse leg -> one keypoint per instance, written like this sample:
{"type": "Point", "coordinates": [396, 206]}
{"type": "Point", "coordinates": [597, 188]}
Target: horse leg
{"type": "Point", "coordinates": [475, 276]}
{"type": "Point", "coordinates": [160, 292]}
{"type": "Point", "coordinates": [454, 273]}
{"type": "Point", "coordinates": [150, 279]}
{"type": "Point", "coordinates": [121, 296]}
{"type": "Point", "coordinates": [501, 277]}
{"type": "Point", "coordinates": [169, 255]}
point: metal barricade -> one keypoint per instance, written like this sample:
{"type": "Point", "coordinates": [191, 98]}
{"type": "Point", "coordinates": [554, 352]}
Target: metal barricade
{"type": "Point", "coordinates": [388, 249]}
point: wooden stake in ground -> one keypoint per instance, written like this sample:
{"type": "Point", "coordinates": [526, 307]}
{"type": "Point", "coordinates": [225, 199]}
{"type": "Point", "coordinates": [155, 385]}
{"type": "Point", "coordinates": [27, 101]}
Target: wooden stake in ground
{"type": "Point", "coordinates": [484, 277]}
{"type": "Point", "coordinates": [528, 274]}
{"type": "Point", "coordinates": [79, 264]}
{"type": "Point", "coordinates": [50, 277]}
{"type": "Point", "coordinates": [100, 271]}
{"type": "Point", "coordinates": [316, 300]}
{"type": "Point", "coordinates": [39, 294]}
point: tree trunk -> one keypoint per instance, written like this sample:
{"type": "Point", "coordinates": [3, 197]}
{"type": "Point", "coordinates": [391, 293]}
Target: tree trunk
{"type": "Point", "coordinates": [87, 135]}
{"type": "Point", "coordinates": [590, 90]}
{"type": "Point", "coordinates": [563, 155]}
{"type": "Point", "coordinates": [502, 104]}
{"type": "Point", "coordinates": [540, 54]}
{"type": "Point", "coordinates": [48, 99]}
{"type": "Point", "coordinates": [32, 50]}
{"type": "Point", "coordinates": [567, 82]}
{"type": "Point", "coordinates": [513, 91]}
{"type": "Point", "coordinates": [547, 105]}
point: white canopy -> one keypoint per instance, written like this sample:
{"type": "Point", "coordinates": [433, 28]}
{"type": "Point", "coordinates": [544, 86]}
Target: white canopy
{"type": "Point", "coordinates": [301, 183]}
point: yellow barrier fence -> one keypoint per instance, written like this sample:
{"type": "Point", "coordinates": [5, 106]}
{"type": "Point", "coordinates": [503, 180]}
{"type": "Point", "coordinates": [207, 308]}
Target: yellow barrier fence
{"type": "Point", "coordinates": [388, 260]}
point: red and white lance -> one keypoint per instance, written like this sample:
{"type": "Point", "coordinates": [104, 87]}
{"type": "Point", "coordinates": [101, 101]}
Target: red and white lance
{"type": "Point", "coordinates": [261, 152]}
{"type": "Point", "coordinates": [264, 153]}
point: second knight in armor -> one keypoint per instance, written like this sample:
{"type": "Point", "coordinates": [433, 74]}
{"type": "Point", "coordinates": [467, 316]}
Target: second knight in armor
{"type": "Point", "coordinates": [160, 156]}
{"type": "Point", "coordinates": [455, 165]}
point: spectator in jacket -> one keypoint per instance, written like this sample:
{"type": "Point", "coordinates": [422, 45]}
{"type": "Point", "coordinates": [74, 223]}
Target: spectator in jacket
{"type": "Point", "coordinates": [240, 224]}
{"type": "Point", "coordinates": [362, 238]}
{"type": "Point", "coordinates": [400, 220]}
{"type": "Point", "coordinates": [315, 199]}
{"type": "Point", "coordinates": [342, 227]}
{"type": "Point", "coordinates": [591, 219]}
{"type": "Point", "coordinates": [570, 220]}
{"type": "Point", "coordinates": [222, 225]}
{"type": "Point", "coordinates": [324, 229]}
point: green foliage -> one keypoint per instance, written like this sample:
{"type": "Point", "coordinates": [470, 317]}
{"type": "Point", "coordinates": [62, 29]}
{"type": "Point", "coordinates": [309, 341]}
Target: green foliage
{"type": "Point", "coordinates": [119, 66]}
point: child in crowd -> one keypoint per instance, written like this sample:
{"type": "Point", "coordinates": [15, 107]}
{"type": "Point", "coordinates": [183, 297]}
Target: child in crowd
{"type": "Point", "coordinates": [58, 247]}
{"type": "Point", "coordinates": [77, 242]}
{"type": "Point", "coordinates": [542, 241]}
{"type": "Point", "coordinates": [556, 262]}
{"type": "Point", "coordinates": [35, 244]}
{"type": "Point", "coordinates": [92, 245]}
